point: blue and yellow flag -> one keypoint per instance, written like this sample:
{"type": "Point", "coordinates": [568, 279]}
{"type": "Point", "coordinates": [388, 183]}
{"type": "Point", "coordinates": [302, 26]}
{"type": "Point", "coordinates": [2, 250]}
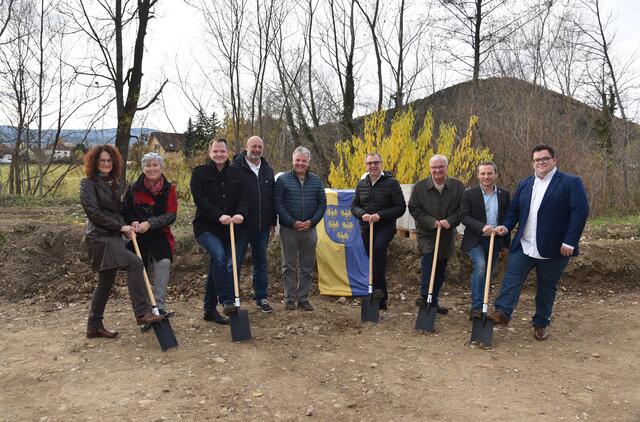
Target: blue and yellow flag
{"type": "Point", "coordinates": [343, 265]}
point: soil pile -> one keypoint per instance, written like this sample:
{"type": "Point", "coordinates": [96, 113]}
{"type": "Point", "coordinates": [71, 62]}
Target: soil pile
{"type": "Point", "coordinates": [44, 258]}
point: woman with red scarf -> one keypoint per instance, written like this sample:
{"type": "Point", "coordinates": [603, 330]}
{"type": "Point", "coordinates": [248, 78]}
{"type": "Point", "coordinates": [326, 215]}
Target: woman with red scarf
{"type": "Point", "coordinates": [100, 198]}
{"type": "Point", "coordinates": [150, 205]}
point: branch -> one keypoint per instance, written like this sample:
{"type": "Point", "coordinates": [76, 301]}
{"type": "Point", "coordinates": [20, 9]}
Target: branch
{"type": "Point", "coordinates": [155, 97]}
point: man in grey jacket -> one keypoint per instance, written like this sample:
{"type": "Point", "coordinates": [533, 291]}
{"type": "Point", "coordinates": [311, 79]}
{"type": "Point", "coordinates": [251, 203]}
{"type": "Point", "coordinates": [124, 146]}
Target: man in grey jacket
{"type": "Point", "coordinates": [435, 202]}
{"type": "Point", "coordinates": [300, 202]}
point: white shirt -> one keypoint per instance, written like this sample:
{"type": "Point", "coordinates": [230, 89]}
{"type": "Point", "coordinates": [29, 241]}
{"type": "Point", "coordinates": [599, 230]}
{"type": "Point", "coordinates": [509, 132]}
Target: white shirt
{"type": "Point", "coordinates": [528, 240]}
{"type": "Point", "coordinates": [373, 182]}
{"type": "Point", "coordinates": [253, 167]}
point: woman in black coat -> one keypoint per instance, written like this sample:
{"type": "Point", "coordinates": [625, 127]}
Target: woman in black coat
{"type": "Point", "coordinates": [100, 198]}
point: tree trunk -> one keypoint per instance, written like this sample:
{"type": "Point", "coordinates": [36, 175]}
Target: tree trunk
{"type": "Point", "coordinates": [476, 41]}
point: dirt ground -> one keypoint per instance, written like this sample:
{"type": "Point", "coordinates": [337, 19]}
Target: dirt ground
{"type": "Point", "coordinates": [320, 365]}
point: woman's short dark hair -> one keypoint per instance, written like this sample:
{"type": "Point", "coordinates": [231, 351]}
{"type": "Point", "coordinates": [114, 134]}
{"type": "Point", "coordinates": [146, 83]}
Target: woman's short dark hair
{"type": "Point", "coordinates": [93, 155]}
{"type": "Point", "coordinates": [542, 147]}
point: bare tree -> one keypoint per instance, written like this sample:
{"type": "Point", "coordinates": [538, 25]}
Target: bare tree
{"type": "Point", "coordinates": [284, 78]}
{"type": "Point", "coordinates": [312, 109]}
{"type": "Point", "coordinates": [409, 40]}
{"type": "Point", "coordinates": [4, 20]}
{"type": "Point", "coordinates": [106, 31]}
{"type": "Point", "coordinates": [263, 32]}
{"type": "Point", "coordinates": [225, 22]}
{"type": "Point", "coordinates": [600, 45]}
{"type": "Point", "coordinates": [19, 92]}
{"type": "Point", "coordinates": [483, 24]}
{"type": "Point", "coordinates": [372, 23]}
{"type": "Point", "coordinates": [340, 40]}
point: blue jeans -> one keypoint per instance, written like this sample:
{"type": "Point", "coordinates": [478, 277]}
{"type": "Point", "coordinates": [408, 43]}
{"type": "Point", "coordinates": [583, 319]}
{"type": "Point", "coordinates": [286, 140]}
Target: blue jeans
{"type": "Point", "coordinates": [441, 267]}
{"type": "Point", "coordinates": [548, 272]}
{"type": "Point", "coordinates": [259, 240]}
{"type": "Point", "coordinates": [478, 255]}
{"type": "Point", "coordinates": [218, 280]}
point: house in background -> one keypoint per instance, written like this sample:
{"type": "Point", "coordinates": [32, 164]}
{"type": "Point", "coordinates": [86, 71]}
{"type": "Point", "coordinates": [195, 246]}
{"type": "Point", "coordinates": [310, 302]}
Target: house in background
{"type": "Point", "coordinates": [6, 152]}
{"type": "Point", "coordinates": [62, 151]}
{"type": "Point", "coordinates": [166, 143]}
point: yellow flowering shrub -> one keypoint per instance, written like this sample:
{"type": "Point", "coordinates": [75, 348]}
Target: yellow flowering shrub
{"type": "Point", "coordinates": [406, 157]}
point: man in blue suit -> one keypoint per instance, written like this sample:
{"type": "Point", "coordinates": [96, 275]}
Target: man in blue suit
{"type": "Point", "coordinates": [550, 209]}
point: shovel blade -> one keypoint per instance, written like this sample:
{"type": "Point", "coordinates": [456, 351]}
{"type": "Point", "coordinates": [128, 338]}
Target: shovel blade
{"type": "Point", "coordinates": [482, 331]}
{"type": "Point", "coordinates": [164, 333]}
{"type": "Point", "coordinates": [240, 327]}
{"type": "Point", "coordinates": [370, 309]}
{"type": "Point", "coordinates": [426, 319]}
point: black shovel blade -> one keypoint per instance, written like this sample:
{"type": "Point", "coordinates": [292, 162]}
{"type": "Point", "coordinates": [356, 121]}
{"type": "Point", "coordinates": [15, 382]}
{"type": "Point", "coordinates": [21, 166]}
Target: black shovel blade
{"type": "Point", "coordinates": [426, 319]}
{"type": "Point", "coordinates": [165, 334]}
{"type": "Point", "coordinates": [240, 328]}
{"type": "Point", "coordinates": [370, 309]}
{"type": "Point", "coordinates": [482, 331]}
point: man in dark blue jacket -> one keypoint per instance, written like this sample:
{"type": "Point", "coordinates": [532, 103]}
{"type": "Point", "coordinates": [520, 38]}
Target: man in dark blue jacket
{"type": "Point", "coordinates": [300, 202]}
{"type": "Point", "coordinates": [220, 200]}
{"type": "Point", "coordinates": [551, 210]}
{"type": "Point", "coordinates": [258, 182]}
{"type": "Point", "coordinates": [378, 199]}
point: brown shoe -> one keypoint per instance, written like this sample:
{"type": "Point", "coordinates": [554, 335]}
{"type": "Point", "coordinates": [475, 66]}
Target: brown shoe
{"type": "Point", "coordinates": [540, 333]}
{"type": "Point", "coordinates": [148, 318]}
{"type": "Point", "coordinates": [101, 332]}
{"type": "Point", "coordinates": [498, 317]}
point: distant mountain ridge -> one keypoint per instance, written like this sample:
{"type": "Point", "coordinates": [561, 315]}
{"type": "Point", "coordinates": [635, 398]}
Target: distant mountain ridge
{"type": "Point", "coordinates": [74, 136]}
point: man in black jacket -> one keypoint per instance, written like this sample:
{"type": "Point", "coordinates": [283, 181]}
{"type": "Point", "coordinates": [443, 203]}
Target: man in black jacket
{"type": "Point", "coordinates": [378, 199]}
{"type": "Point", "coordinates": [220, 200]}
{"type": "Point", "coordinates": [257, 181]}
{"type": "Point", "coordinates": [482, 209]}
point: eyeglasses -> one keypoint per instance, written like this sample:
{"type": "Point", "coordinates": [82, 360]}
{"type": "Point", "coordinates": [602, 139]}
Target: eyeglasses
{"type": "Point", "coordinates": [105, 161]}
{"type": "Point", "coordinates": [373, 163]}
{"type": "Point", "coordinates": [542, 160]}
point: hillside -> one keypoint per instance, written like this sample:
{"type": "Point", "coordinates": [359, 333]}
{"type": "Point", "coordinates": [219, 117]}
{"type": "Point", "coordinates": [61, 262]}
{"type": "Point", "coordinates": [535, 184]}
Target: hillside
{"type": "Point", "coordinates": [514, 115]}
{"type": "Point", "coordinates": [74, 136]}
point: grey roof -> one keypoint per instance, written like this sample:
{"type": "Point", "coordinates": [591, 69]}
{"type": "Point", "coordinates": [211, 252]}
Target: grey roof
{"type": "Point", "coordinates": [169, 141]}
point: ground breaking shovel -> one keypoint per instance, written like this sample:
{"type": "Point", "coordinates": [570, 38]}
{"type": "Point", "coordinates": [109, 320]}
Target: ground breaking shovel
{"type": "Point", "coordinates": [240, 328]}
{"type": "Point", "coordinates": [162, 328]}
{"type": "Point", "coordinates": [482, 328]}
{"type": "Point", "coordinates": [426, 319]}
{"type": "Point", "coordinates": [370, 305]}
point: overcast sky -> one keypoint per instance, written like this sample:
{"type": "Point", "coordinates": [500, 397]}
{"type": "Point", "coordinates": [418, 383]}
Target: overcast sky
{"type": "Point", "coordinates": [174, 38]}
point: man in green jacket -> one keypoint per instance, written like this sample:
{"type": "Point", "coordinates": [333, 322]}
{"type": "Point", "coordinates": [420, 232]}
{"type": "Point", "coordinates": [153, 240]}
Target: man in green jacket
{"type": "Point", "coordinates": [435, 202]}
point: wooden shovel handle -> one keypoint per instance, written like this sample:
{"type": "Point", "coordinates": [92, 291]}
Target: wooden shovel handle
{"type": "Point", "coordinates": [487, 278]}
{"type": "Point", "coordinates": [370, 253]}
{"type": "Point", "coordinates": [236, 291]}
{"type": "Point", "coordinates": [152, 298]}
{"type": "Point", "coordinates": [435, 261]}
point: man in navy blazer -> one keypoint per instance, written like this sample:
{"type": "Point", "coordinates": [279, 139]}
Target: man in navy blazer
{"type": "Point", "coordinates": [551, 210]}
{"type": "Point", "coordinates": [482, 209]}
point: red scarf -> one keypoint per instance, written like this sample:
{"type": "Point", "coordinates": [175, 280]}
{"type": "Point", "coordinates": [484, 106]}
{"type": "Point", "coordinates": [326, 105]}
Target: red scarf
{"type": "Point", "coordinates": [154, 188]}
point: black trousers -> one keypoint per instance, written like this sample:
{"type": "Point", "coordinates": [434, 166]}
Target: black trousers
{"type": "Point", "coordinates": [135, 283]}
{"type": "Point", "coordinates": [383, 233]}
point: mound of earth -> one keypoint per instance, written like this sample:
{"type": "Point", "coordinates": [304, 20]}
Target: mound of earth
{"type": "Point", "coordinates": [45, 259]}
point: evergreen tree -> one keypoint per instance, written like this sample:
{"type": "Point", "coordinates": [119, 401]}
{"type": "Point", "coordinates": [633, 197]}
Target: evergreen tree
{"type": "Point", "coordinates": [199, 134]}
{"type": "Point", "coordinates": [190, 139]}
{"type": "Point", "coordinates": [214, 124]}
